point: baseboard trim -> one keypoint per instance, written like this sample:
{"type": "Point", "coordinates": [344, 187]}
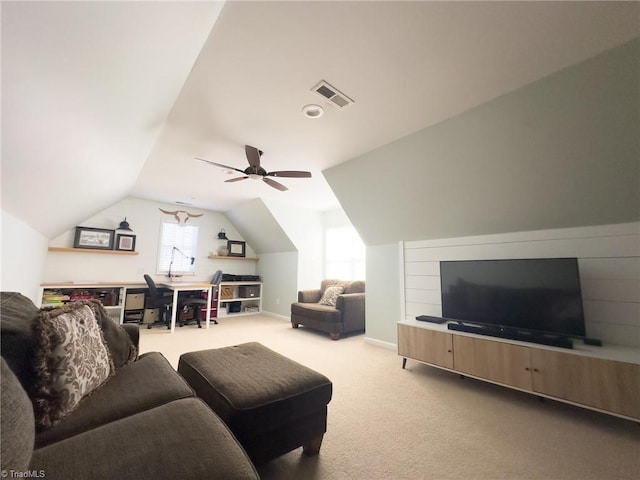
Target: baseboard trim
{"type": "Point", "coordinates": [276, 315]}
{"type": "Point", "coordinates": [380, 343]}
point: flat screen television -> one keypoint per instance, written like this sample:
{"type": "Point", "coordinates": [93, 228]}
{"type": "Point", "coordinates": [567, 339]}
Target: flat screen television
{"type": "Point", "coordinates": [533, 295]}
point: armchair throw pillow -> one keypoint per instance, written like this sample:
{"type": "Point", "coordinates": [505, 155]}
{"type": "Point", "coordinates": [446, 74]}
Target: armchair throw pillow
{"type": "Point", "coordinates": [330, 296]}
{"type": "Point", "coordinates": [71, 361]}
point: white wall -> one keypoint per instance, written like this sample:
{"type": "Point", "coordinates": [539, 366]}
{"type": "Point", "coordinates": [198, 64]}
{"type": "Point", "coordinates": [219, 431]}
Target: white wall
{"type": "Point", "coordinates": [145, 219]}
{"type": "Point", "coordinates": [23, 255]}
{"type": "Point", "coordinates": [608, 259]}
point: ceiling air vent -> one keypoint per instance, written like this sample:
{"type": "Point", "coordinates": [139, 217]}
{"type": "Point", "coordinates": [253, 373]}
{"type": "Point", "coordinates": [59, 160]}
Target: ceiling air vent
{"type": "Point", "coordinates": [332, 94]}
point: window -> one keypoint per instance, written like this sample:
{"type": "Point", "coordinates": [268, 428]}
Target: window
{"type": "Point", "coordinates": [185, 240]}
{"type": "Point", "coordinates": [344, 254]}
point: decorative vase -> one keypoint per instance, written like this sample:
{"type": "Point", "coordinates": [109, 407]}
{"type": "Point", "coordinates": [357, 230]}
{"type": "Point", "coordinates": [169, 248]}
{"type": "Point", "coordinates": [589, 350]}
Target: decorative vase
{"type": "Point", "coordinates": [223, 251]}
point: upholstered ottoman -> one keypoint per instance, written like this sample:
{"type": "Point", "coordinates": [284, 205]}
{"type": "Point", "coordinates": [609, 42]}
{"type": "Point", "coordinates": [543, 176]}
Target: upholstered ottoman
{"type": "Point", "coordinates": [271, 403]}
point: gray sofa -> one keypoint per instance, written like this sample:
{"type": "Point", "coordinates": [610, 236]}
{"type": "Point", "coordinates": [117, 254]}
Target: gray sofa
{"type": "Point", "coordinates": [348, 314]}
{"type": "Point", "coordinates": [144, 422]}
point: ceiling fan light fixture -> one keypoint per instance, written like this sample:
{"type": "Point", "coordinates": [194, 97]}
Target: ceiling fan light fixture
{"type": "Point", "coordinates": [255, 176]}
{"type": "Point", "coordinates": [313, 111]}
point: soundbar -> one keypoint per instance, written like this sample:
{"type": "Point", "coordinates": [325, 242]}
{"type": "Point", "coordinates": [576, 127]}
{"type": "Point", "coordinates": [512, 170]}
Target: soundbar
{"type": "Point", "coordinates": [551, 340]}
{"type": "Point", "coordinates": [428, 318]}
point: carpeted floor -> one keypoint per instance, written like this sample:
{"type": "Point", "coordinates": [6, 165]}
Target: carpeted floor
{"type": "Point", "coordinates": [422, 422]}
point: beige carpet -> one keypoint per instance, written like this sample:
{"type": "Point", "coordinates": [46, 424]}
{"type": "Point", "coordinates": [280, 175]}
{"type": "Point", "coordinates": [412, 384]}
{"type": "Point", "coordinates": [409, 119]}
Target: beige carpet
{"type": "Point", "coordinates": [422, 423]}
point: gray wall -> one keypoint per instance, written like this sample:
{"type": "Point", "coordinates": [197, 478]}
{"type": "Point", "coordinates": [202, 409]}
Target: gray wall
{"type": "Point", "coordinates": [279, 273]}
{"type": "Point", "coordinates": [257, 225]}
{"type": "Point", "coordinates": [561, 152]}
{"type": "Point", "coordinates": [383, 293]}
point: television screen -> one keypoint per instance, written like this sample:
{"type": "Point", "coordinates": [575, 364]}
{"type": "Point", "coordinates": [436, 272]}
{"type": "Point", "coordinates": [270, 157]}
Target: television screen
{"type": "Point", "coordinates": [522, 294]}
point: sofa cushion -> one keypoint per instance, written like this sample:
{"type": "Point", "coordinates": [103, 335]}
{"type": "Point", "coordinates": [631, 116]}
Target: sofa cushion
{"type": "Point", "coordinates": [17, 343]}
{"type": "Point", "coordinates": [71, 360]}
{"type": "Point", "coordinates": [330, 295]}
{"type": "Point", "coordinates": [356, 286]}
{"type": "Point", "coordinates": [316, 311]}
{"type": "Point", "coordinates": [142, 385]}
{"type": "Point", "coordinates": [17, 423]}
{"type": "Point", "coordinates": [183, 439]}
{"type": "Point", "coordinates": [332, 282]}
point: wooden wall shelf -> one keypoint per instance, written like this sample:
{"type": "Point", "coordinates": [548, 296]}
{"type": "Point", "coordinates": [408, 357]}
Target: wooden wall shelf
{"type": "Point", "coordinates": [220, 257]}
{"type": "Point", "coordinates": [91, 250]}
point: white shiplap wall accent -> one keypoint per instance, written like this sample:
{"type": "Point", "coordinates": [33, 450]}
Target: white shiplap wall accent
{"type": "Point", "coordinates": [608, 259]}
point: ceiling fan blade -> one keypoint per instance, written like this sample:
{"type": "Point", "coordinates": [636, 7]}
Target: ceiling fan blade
{"type": "Point", "coordinates": [220, 165]}
{"type": "Point", "coordinates": [237, 179]}
{"type": "Point", "coordinates": [253, 156]}
{"type": "Point", "coordinates": [275, 184]}
{"type": "Point", "coordinates": [290, 173]}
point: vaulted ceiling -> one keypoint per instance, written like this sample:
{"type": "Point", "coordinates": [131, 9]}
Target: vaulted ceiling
{"type": "Point", "coordinates": [102, 100]}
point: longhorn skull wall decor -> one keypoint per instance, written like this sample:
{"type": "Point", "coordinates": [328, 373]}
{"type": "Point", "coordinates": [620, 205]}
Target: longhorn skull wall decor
{"type": "Point", "coordinates": [181, 216]}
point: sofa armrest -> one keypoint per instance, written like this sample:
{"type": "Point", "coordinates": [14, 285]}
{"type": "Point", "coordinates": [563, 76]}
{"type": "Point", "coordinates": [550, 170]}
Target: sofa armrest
{"type": "Point", "coordinates": [309, 296]}
{"type": "Point", "coordinates": [134, 332]}
{"type": "Point", "coordinates": [351, 306]}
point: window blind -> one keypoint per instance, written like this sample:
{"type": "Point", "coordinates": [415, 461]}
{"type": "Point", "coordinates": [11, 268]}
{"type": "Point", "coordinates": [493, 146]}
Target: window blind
{"type": "Point", "coordinates": [185, 239]}
{"type": "Point", "coordinates": [344, 254]}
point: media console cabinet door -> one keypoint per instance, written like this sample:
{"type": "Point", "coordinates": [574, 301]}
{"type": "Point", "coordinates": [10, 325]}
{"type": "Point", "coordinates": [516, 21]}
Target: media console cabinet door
{"type": "Point", "coordinates": [604, 384]}
{"type": "Point", "coordinates": [496, 361]}
{"type": "Point", "coordinates": [425, 345]}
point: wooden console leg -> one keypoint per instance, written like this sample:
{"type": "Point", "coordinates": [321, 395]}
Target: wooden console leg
{"type": "Point", "coordinates": [312, 447]}
{"type": "Point", "coordinates": [295, 325]}
{"type": "Point", "coordinates": [335, 336]}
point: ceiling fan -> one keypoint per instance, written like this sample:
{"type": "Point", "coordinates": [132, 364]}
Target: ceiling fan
{"type": "Point", "coordinates": [256, 172]}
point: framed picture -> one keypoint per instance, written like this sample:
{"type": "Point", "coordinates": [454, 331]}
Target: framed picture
{"type": "Point", "coordinates": [98, 238]}
{"type": "Point", "coordinates": [236, 248]}
{"type": "Point", "coordinates": [126, 242]}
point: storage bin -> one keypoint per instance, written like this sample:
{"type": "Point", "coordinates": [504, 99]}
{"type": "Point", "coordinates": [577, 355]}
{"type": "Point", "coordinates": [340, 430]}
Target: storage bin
{"type": "Point", "coordinates": [183, 316]}
{"type": "Point", "coordinates": [226, 292]}
{"type": "Point", "coordinates": [133, 316]}
{"type": "Point", "coordinates": [109, 298]}
{"type": "Point", "coordinates": [248, 291]}
{"type": "Point", "coordinates": [234, 307]}
{"type": "Point", "coordinates": [151, 315]}
{"type": "Point", "coordinates": [134, 301]}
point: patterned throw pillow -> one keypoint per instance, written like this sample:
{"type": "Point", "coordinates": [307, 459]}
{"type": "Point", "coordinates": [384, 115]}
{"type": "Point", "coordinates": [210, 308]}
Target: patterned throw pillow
{"type": "Point", "coordinates": [71, 361]}
{"type": "Point", "coordinates": [330, 296]}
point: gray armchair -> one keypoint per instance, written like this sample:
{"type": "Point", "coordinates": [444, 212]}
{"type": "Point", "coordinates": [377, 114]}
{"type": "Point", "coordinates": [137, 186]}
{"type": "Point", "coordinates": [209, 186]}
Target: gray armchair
{"type": "Point", "coordinates": [346, 316]}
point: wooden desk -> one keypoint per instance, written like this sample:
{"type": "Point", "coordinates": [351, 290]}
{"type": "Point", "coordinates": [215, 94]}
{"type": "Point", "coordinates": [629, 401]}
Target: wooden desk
{"type": "Point", "coordinates": [187, 287]}
{"type": "Point", "coordinates": [176, 287]}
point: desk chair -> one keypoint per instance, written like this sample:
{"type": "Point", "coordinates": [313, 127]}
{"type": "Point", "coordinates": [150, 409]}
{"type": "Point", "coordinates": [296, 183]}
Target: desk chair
{"type": "Point", "coordinates": [198, 303]}
{"type": "Point", "coordinates": [215, 283]}
{"type": "Point", "coordinates": [158, 299]}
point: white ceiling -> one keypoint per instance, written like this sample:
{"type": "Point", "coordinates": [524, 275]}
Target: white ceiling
{"type": "Point", "coordinates": [102, 100]}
